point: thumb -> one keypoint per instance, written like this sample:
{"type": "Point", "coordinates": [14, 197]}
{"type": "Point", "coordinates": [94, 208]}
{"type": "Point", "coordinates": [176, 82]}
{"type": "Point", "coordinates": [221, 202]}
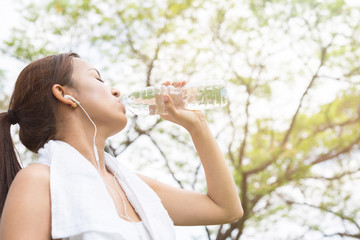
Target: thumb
{"type": "Point", "coordinates": [169, 105]}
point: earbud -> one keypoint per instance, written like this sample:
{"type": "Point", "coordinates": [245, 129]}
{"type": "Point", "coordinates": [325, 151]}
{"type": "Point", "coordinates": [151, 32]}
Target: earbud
{"type": "Point", "coordinates": [73, 99]}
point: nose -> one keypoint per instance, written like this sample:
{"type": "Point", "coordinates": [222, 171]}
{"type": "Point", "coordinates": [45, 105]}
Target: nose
{"type": "Point", "coordinates": [115, 92]}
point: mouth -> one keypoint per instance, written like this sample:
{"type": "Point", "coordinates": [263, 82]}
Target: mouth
{"type": "Point", "coordinates": [122, 105]}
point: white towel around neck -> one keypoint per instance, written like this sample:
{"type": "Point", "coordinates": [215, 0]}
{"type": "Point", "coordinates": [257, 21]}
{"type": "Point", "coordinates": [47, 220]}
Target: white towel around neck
{"type": "Point", "coordinates": [80, 202]}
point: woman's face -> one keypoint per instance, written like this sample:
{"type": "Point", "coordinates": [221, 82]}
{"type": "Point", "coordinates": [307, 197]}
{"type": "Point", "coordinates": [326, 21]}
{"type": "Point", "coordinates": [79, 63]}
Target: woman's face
{"type": "Point", "coordinates": [100, 101]}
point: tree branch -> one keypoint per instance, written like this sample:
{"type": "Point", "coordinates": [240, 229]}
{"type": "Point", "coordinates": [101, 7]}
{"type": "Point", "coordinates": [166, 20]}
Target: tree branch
{"type": "Point", "coordinates": [290, 202]}
{"type": "Point", "coordinates": [166, 161]}
{"type": "Point", "coordinates": [331, 155]}
{"type": "Point", "coordinates": [337, 177]}
{"type": "Point", "coordinates": [196, 175]}
{"type": "Point", "coordinates": [292, 124]}
{"type": "Point", "coordinates": [142, 57]}
{"type": "Point", "coordinates": [150, 66]}
{"type": "Point", "coordinates": [357, 236]}
{"type": "Point", "coordinates": [208, 233]}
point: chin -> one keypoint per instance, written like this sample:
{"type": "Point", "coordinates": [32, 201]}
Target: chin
{"type": "Point", "coordinates": [115, 124]}
{"type": "Point", "coordinates": [116, 130]}
{"type": "Point", "coordinates": [122, 123]}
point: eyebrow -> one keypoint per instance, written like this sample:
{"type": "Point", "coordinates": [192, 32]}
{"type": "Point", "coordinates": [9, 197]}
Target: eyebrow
{"type": "Point", "coordinates": [95, 70]}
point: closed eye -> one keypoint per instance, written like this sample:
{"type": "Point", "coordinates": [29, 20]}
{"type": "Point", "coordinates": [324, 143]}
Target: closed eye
{"type": "Point", "coordinates": [100, 80]}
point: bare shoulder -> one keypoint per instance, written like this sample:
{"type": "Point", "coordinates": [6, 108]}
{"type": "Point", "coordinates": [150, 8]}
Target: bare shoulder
{"type": "Point", "coordinates": [34, 172]}
{"type": "Point", "coordinates": [27, 210]}
{"type": "Point", "coordinates": [33, 179]}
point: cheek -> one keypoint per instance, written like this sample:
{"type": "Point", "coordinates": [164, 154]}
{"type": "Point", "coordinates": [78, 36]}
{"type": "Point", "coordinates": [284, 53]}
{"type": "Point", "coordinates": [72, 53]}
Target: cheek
{"type": "Point", "coordinates": [93, 95]}
{"type": "Point", "coordinates": [102, 106]}
{"type": "Point", "coordinates": [96, 92]}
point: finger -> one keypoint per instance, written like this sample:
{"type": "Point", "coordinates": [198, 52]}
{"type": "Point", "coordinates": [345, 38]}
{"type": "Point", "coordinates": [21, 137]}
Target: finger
{"type": "Point", "coordinates": [177, 84]}
{"type": "Point", "coordinates": [183, 83]}
{"type": "Point", "coordinates": [167, 83]}
{"type": "Point", "coordinates": [169, 105]}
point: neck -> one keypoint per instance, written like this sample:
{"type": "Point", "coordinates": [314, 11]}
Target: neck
{"type": "Point", "coordinates": [81, 137]}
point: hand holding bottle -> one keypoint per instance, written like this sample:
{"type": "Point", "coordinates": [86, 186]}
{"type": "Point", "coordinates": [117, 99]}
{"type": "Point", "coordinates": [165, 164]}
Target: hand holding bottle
{"type": "Point", "coordinates": [177, 96]}
{"type": "Point", "coordinates": [188, 119]}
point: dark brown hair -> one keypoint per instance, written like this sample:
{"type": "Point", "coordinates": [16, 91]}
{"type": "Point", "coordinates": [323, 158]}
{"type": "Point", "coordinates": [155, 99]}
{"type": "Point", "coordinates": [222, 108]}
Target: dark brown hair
{"type": "Point", "coordinates": [33, 107]}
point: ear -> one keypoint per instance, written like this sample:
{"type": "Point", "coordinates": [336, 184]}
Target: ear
{"type": "Point", "coordinates": [59, 93]}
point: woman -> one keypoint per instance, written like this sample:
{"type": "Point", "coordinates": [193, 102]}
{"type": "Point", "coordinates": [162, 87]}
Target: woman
{"type": "Point", "coordinates": [65, 114]}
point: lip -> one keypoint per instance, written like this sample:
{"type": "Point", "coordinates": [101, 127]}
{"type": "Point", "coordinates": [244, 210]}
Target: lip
{"type": "Point", "coordinates": [122, 104]}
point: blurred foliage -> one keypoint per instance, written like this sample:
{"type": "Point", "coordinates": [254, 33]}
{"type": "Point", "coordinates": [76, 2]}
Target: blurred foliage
{"type": "Point", "coordinates": [285, 164]}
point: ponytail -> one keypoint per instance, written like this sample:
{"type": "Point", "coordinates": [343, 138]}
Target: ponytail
{"type": "Point", "coordinates": [33, 106]}
{"type": "Point", "coordinates": [9, 164]}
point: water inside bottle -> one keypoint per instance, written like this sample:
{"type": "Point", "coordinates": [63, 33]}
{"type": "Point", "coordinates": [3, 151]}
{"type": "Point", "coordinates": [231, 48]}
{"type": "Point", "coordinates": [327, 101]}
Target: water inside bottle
{"type": "Point", "coordinates": [149, 100]}
{"type": "Point", "coordinates": [208, 97]}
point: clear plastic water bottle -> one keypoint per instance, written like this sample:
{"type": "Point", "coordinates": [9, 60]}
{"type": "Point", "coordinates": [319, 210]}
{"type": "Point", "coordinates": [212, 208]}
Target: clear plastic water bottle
{"type": "Point", "coordinates": [148, 101]}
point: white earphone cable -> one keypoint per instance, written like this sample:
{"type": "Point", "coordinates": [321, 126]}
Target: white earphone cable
{"type": "Point", "coordinates": [95, 148]}
{"type": "Point", "coordinates": [126, 216]}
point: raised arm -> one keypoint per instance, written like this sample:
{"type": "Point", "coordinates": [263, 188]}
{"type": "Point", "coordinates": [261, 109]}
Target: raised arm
{"type": "Point", "coordinates": [221, 204]}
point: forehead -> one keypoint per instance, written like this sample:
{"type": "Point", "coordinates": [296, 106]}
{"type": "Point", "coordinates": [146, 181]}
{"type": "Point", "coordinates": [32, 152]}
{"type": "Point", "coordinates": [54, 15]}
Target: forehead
{"type": "Point", "coordinates": [80, 65]}
{"type": "Point", "coordinates": [81, 70]}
